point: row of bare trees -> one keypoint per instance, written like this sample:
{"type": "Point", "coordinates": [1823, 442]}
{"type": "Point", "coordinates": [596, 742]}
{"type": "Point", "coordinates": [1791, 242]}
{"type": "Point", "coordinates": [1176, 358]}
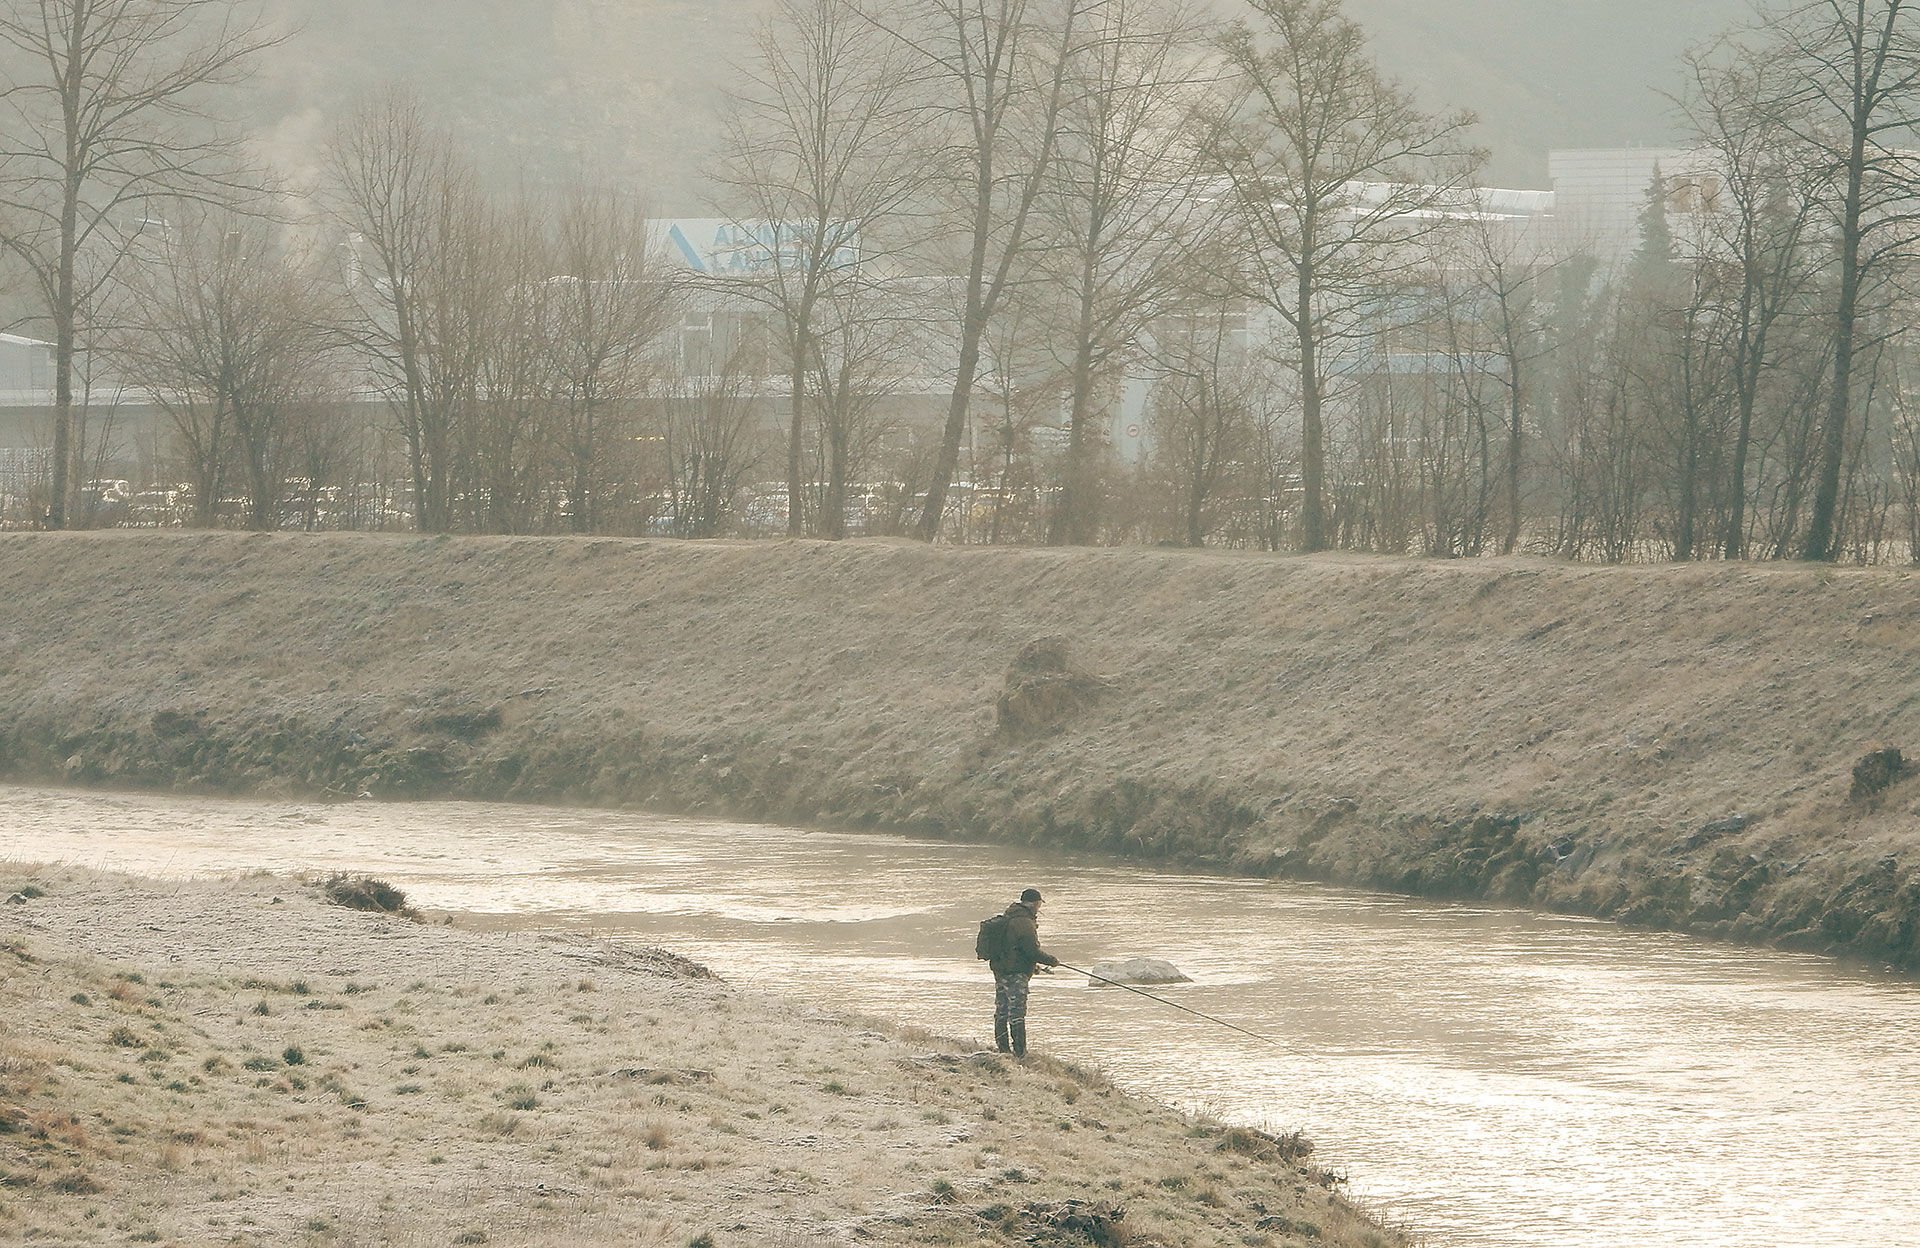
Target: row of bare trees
{"type": "Point", "coordinates": [509, 342]}
{"type": "Point", "coordinates": [1126, 183]}
{"type": "Point", "coordinates": [1742, 387]}
{"type": "Point", "coordinates": [971, 233]}
{"type": "Point", "coordinates": [513, 339]}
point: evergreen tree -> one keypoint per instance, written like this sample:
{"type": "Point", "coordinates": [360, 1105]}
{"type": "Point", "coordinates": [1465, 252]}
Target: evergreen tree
{"type": "Point", "coordinates": [1653, 258]}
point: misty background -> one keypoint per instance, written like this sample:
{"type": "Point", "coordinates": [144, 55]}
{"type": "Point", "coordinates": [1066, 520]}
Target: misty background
{"type": "Point", "coordinates": [631, 90]}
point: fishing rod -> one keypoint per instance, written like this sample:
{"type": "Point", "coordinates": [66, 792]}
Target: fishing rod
{"type": "Point", "coordinates": [1175, 1004]}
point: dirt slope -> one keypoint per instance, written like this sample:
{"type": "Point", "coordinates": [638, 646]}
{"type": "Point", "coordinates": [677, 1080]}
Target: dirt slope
{"type": "Point", "coordinates": [1665, 745]}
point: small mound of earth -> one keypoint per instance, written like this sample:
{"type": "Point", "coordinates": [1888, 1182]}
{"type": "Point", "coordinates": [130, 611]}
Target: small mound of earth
{"type": "Point", "coordinates": [1137, 971]}
{"type": "Point", "coordinates": [1044, 689]}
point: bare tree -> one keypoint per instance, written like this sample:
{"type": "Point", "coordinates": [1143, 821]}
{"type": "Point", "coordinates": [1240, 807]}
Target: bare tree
{"type": "Point", "coordinates": [1206, 404]}
{"type": "Point", "coordinates": [105, 116]}
{"type": "Point", "coordinates": [222, 329]}
{"type": "Point", "coordinates": [825, 147]}
{"type": "Point", "coordinates": [608, 310]}
{"type": "Point", "coordinates": [1674, 378]}
{"type": "Point", "coordinates": [502, 369]}
{"type": "Point", "coordinates": [1002, 71]}
{"type": "Point", "coordinates": [330, 456]}
{"type": "Point", "coordinates": [1853, 101]}
{"type": "Point", "coordinates": [865, 336]}
{"type": "Point", "coordinates": [1906, 468]}
{"type": "Point", "coordinates": [1510, 271]}
{"type": "Point", "coordinates": [1116, 215]}
{"type": "Point", "coordinates": [1334, 174]}
{"type": "Point", "coordinates": [707, 438]}
{"type": "Point", "coordinates": [421, 231]}
{"type": "Point", "coordinates": [1608, 435]}
{"type": "Point", "coordinates": [1460, 407]}
{"type": "Point", "coordinates": [1755, 258]}
{"type": "Point", "coordinates": [1022, 387]}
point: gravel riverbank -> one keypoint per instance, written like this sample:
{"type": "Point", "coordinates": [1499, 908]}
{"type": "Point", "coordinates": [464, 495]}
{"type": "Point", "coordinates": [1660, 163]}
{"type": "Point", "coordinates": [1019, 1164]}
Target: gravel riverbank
{"type": "Point", "coordinates": [238, 1061]}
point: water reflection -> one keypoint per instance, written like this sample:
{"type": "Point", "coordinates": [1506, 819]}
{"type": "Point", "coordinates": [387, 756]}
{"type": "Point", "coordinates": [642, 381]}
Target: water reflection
{"type": "Point", "coordinates": [1493, 1077]}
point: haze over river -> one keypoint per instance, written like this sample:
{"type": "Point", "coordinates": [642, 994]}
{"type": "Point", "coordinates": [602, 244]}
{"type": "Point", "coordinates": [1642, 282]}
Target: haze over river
{"type": "Point", "coordinates": [1491, 1077]}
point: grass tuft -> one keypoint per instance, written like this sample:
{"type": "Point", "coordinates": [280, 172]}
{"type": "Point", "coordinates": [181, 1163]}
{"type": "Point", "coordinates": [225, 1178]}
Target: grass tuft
{"type": "Point", "coordinates": [76, 1183]}
{"type": "Point", "coordinates": [364, 892]}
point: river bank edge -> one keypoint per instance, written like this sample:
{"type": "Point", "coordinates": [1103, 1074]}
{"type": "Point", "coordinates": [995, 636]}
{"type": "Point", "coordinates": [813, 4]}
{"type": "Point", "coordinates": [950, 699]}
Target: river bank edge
{"type": "Point", "coordinates": [236, 1060]}
{"type": "Point", "coordinates": [1668, 747]}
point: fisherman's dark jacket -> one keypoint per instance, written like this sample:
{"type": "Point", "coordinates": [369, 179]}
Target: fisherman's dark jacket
{"type": "Point", "coordinates": [1023, 951]}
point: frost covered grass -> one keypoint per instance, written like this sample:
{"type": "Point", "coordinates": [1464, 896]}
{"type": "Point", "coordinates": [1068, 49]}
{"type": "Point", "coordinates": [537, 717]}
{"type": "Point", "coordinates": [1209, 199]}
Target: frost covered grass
{"type": "Point", "coordinates": [416, 1084]}
{"type": "Point", "coordinates": [1672, 746]}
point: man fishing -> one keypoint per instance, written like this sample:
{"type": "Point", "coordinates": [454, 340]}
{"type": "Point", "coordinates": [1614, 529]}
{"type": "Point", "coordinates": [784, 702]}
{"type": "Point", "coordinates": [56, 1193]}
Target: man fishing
{"type": "Point", "coordinates": [1013, 964]}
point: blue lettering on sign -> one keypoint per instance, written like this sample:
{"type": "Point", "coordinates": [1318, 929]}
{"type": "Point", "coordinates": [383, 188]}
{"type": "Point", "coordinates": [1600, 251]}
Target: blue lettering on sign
{"type": "Point", "coordinates": [757, 247]}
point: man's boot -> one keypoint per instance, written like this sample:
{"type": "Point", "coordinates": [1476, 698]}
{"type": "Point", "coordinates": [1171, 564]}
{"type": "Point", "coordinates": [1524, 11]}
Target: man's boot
{"type": "Point", "coordinates": [1000, 1041]}
{"type": "Point", "coordinates": [1018, 1034]}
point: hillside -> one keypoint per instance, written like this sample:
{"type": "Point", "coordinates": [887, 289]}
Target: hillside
{"type": "Point", "coordinates": [1665, 745]}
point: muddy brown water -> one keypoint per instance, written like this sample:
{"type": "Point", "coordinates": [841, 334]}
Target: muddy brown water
{"type": "Point", "coordinates": [1485, 1076]}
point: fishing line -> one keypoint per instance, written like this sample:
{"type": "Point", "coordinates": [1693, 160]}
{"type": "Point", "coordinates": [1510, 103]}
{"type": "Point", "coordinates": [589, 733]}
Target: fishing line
{"type": "Point", "coordinates": [1176, 1005]}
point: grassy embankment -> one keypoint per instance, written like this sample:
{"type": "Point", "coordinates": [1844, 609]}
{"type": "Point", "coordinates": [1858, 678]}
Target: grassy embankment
{"type": "Point", "coordinates": [235, 1062]}
{"type": "Point", "coordinates": [1669, 746]}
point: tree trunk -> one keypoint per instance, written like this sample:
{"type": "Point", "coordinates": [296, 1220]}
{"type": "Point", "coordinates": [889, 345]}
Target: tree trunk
{"type": "Point", "coordinates": [1689, 497]}
{"type": "Point", "coordinates": [1073, 524]}
{"type": "Point", "coordinates": [262, 503]}
{"type": "Point", "coordinates": [833, 506]}
{"type": "Point", "coordinates": [65, 317]}
{"type": "Point", "coordinates": [948, 454]}
{"type": "Point", "coordinates": [1197, 501]}
{"type": "Point", "coordinates": [417, 469]}
{"type": "Point", "coordinates": [1689, 500]}
{"type": "Point", "coordinates": [208, 483]}
{"type": "Point", "coordinates": [1822, 540]}
{"type": "Point", "coordinates": [581, 521]}
{"type": "Point", "coordinates": [1313, 519]}
{"type": "Point", "coordinates": [435, 498]}
{"type": "Point", "coordinates": [1515, 438]}
{"type": "Point", "coordinates": [1746, 396]}
{"type": "Point", "coordinates": [62, 417]}
{"type": "Point", "coordinates": [796, 429]}
{"type": "Point", "coordinates": [1749, 356]}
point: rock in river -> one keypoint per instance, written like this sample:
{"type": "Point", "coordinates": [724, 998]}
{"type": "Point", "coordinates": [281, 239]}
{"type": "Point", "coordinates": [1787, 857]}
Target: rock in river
{"type": "Point", "coordinates": [1137, 971]}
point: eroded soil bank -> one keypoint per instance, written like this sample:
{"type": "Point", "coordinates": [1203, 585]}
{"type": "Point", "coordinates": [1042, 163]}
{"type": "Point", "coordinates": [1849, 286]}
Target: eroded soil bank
{"type": "Point", "coordinates": [1668, 746]}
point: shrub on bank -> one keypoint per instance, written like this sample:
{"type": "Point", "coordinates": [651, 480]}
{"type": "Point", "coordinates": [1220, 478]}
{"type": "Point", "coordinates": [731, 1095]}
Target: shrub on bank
{"type": "Point", "coordinates": [364, 892]}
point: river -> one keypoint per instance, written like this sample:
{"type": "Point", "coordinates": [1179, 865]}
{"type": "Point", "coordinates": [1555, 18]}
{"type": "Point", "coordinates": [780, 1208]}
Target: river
{"type": "Point", "coordinates": [1490, 1077]}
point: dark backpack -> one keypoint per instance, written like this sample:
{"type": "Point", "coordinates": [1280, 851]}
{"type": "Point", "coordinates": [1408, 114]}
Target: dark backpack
{"type": "Point", "coordinates": [992, 940]}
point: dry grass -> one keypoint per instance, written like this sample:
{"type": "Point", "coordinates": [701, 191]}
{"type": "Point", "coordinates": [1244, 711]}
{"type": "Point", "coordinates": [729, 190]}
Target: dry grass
{"type": "Point", "coordinates": [1671, 746]}
{"type": "Point", "coordinates": [660, 1110]}
{"type": "Point", "coordinates": [364, 892]}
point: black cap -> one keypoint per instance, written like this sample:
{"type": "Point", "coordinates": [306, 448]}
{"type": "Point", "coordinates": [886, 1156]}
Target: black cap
{"type": "Point", "coordinates": [1032, 894]}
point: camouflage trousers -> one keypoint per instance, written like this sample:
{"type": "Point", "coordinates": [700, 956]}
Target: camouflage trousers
{"type": "Point", "coordinates": [1010, 1000]}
